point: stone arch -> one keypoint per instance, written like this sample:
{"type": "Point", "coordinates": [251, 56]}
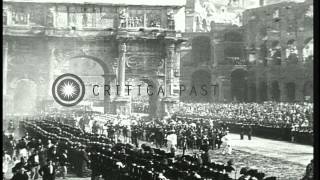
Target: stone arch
{"type": "Point", "coordinates": [102, 74]}
{"type": "Point", "coordinates": [107, 69]}
{"type": "Point", "coordinates": [275, 91]}
{"type": "Point", "coordinates": [200, 78]}
{"type": "Point", "coordinates": [292, 51]}
{"type": "Point", "coordinates": [308, 91]}
{"type": "Point", "coordinates": [154, 100]}
{"type": "Point", "coordinates": [239, 78]}
{"type": "Point", "coordinates": [25, 96]}
{"type": "Point", "coordinates": [201, 49]}
{"type": "Point", "coordinates": [291, 91]}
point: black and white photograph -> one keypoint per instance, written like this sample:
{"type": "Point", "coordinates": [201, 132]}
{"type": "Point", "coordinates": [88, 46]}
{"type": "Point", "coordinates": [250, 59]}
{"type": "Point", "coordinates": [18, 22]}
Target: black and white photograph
{"type": "Point", "coordinates": [158, 90]}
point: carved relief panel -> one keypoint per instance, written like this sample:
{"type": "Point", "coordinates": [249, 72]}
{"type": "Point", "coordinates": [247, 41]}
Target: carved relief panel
{"type": "Point", "coordinates": [138, 62]}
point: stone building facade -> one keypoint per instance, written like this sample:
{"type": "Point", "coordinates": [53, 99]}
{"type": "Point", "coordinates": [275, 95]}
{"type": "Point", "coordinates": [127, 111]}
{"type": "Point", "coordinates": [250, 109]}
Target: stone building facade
{"type": "Point", "coordinates": [268, 57]}
{"type": "Point", "coordinates": [103, 42]}
{"type": "Point", "coordinates": [280, 39]}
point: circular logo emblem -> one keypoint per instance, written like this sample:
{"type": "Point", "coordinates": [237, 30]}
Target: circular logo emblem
{"type": "Point", "coordinates": [68, 90]}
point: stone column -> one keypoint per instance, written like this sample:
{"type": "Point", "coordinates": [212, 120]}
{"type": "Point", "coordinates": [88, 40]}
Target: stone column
{"type": "Point", "coordinates": [122, 102]}
{"type": "Point", "coordinates": [283, 91]}
{"type": "Point", "coordinates": [169, 76]}
{"type": "Point", "coordinates": [5, 75]}
{"type": "Point", "coordinates": [269, 87]}
{"type": "Point", "coordinates": [225, 90]}
{"type": "Point", "coordinates": [213, 57]}
{"type": "Point", "coordinates": [283, 54]}
{"type": "Point", "coordinates": [106, 99]}
{"type": "Point", "coordinates": [5, 67]}
{"type": "Point", "coordinates": [257, 84]}
{"type": "Point", "coordinates": [169, 100]}
{"type": "Point", "coordinates": [219, 89]}
{"type": "Point", "coordinates": [122, 67]}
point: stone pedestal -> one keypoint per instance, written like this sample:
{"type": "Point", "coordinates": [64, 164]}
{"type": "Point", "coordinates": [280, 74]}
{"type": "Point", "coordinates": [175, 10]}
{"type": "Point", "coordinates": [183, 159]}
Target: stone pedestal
{"type": "Point", "coordinates": [122, 105]}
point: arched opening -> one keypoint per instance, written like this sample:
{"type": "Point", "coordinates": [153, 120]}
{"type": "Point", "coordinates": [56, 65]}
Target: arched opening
{"type": "Point", "coordinates": [239, 78]}
{"type": "Point", "coordinates": [92, 72]}
{"type": "Point", "coordinates": [292, 51]}
{"type": "Point", "coordinates": [201, 49]}
{"type": "Point", "coordinates": [275, 91]}
{"type": "Point", "coordinates": [145, 96]}
{"type": "Point", "coordinates": [263, 91]}
{"type": "Point", "coordinates": [25, 97]}
{"type": "Point", "coordinates": [291, 91]}
{"type": "Point", "coordinates": [200, 79]}
{"type": "Point", "coordinates": [276, 52]}
{"type": "Point", "coordinates": [308, 50]}
{"type": "Point", "coordinates": [308, 91]}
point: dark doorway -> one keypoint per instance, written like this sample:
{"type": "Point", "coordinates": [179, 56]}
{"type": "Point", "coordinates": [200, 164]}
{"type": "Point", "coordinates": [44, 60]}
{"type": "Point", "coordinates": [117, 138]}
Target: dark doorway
{"type": "Point", "coordinates": [239, 85]}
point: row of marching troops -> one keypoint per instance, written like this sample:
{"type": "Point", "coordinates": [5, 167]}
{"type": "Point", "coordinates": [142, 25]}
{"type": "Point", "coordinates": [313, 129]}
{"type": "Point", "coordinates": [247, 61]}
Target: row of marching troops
{"type": "Point", "coordinates": [201, 136]}
{"type": "Point", "coordinates": [53, 148]}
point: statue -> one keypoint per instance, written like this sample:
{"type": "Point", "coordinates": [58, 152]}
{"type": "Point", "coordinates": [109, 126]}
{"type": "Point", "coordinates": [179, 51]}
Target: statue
{"type": "Point", "coordinates": [170, 19]}
{"type": "Point", "coordinates": [50, 17]}
{"type": "Point", "coordinates": [123, 16]}
{"type": "Point", "coordinates": [137, 22]}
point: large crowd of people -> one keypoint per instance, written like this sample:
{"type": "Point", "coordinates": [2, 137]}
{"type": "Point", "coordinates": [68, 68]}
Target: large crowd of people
{"type": "Point", "coordinates": [115, 147]}
{"type": "Point", "coordinates": [51, 148]}
{"type": "Point", "coordinates": [286, 121]}
{"type": "Point", "coordinates": [273, 114]}
{"type": "Point", "coordinates": [276, 120]}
